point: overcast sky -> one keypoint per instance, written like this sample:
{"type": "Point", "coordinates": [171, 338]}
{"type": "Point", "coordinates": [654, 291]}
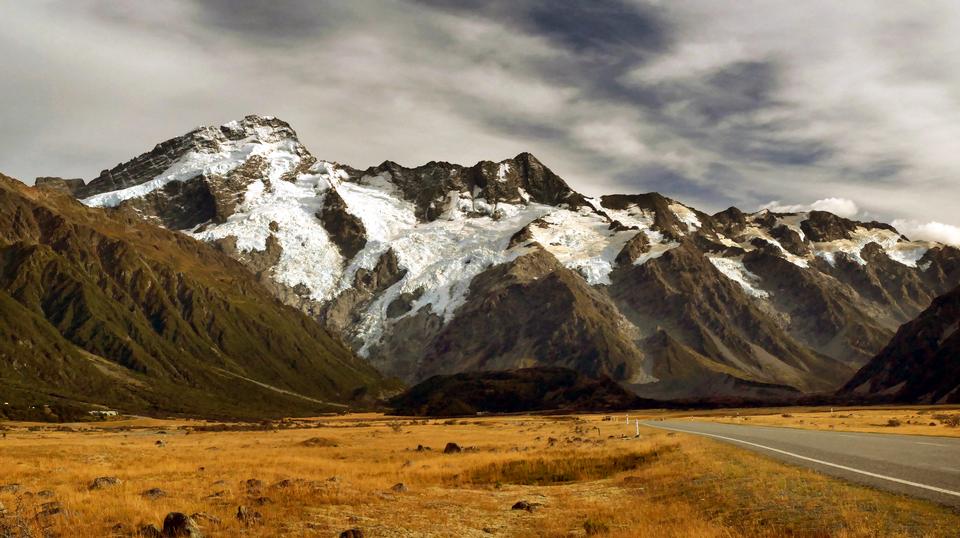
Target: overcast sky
{"type": "Point", "coordinates": [848, 106]}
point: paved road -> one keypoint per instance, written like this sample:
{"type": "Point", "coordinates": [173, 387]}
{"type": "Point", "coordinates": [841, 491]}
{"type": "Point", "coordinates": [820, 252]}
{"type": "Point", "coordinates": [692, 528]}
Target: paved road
{"type": "Point", "coordinates": [921, 466]}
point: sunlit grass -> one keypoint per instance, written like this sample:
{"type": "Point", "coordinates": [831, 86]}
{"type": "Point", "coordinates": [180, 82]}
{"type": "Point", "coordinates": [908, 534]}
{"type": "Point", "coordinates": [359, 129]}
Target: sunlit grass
{"type": "Point", "coordinates": [607, 484]}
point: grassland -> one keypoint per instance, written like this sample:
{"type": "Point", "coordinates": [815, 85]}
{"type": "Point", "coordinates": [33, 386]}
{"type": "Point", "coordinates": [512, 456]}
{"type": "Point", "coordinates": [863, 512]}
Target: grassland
{"type": "Point", "coordinates": [581, 475]}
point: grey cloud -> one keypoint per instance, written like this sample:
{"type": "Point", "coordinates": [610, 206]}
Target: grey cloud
{"type": "Point", "coordinates": [712, 103]}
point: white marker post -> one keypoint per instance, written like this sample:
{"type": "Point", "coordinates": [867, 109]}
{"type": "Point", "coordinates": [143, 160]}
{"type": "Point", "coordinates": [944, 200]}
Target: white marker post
{"type": "Point", "coordinates": [628, 419]}
{"type": "Point", "coordinates": [638, 427]}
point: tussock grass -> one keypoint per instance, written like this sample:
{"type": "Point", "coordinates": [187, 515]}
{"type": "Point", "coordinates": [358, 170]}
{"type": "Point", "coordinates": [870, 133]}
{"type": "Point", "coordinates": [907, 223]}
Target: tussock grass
{"type": "Point", "coordinates": [564, 468]}
{"type": "Point", "coordinates": [658, 485]}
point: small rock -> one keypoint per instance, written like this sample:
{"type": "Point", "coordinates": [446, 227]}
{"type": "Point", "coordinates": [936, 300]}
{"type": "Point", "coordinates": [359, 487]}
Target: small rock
{"type": "Point", "coordinates": [180, 524]}
{"type": "Point", "coordinates": [45, 494]}
{"type": "Point", "coordinates": [319, 442]}
{"type": "Point", "coordinates": [421, 448]}
{"type": "Point", "coordinates": [49, 509]}
{"type": "Point", "coordinates": [9, 488]}
{"type": "Point", "coordinates": [154, 493]}
{"type": "Point", "coordinates": [102, 482]}
{"type": "Point", "coordinates": [150, 531]}
{"type": "Point", "coordinates": [399, 487]}
{"type": "Point", "coordinates": [452, 448]}
{"type": "Point", "coordinates": [247, 517]}
{"type": "Point", "coordinates": [205, 517]}
{"type": "Point", "coordinates": [524, 505]}
{"type": "Point", "coordinates": [261, 501]}
{"type": "Point", "coordinates": [352, 533]}
{"type": "Point", "coordinates": [160, 443]}
{"type": "Point", "coordinates": [119, 528]}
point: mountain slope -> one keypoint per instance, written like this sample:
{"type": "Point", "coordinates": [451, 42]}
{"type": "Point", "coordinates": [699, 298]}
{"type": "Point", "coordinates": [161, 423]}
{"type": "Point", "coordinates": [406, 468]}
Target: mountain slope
{"type": "Point", "coordinates": [111, 310]}
{"type": "Point", "coordinates": [921, 364]}
{"type": "Point", "coordinates": [442, 268]}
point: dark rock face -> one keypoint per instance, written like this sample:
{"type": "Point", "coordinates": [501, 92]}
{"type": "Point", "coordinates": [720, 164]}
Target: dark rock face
{"type": "Point", "coordinates": [790, 240]}
{"type": "Point", "coordinates": [59, 184]}
{"type": "Point", "coordinates": [921, 364]}
{"type": "Point", "coordinates": [513, 391]}
{"type": "Point", "coordinates": [178, 205]}
{"type": "Point", "coordinates": [635, 247]}
{"type": "Point", "coordinates": [346, 308]}
{"type": "Point", "coordinates": [514, 180]}
{"type": "Point", "coordinates": [821, 226]}
{"type": "Point", "coordinates": [345, 230]}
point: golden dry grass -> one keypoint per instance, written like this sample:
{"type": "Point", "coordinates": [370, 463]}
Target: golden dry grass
{"type": "Point", "coordinates": [913, 420]}
{"type": "Point", "coordinates": [587, 478]}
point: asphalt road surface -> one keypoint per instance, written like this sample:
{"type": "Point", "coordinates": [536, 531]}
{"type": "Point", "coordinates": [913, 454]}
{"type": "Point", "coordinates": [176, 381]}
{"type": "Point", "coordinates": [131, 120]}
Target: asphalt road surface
{"type": "Point", "coordinates": [916, 465]}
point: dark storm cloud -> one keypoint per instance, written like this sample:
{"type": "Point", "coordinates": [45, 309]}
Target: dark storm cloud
{"type": "Point", "coordinates": [712, 103]}
{"type": "Point", "coordinates": [277, 21]}
{"type": "Point", "coordinates": [609, 29]}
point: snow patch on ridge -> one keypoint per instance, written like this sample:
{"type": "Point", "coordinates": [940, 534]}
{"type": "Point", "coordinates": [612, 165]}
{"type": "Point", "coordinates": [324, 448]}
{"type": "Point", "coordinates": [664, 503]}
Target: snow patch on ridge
{"type": "Point", "coordinates": [309, 258]}
{"type": "Point", "coordinates": [734, 269]}
{"type": "Point", "coordinates": [686, 215]}
{"type": "Point", "coordinates": [905, 252]}
{"type": "Point", "coordinates": [281, 157]}
{"type": "Point", "coordinates": [502, 171]}
{"type": "Point", "coordinates": [583, 241]}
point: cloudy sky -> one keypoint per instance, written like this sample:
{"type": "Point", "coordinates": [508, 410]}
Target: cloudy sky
{"type": "Point", "coordinates": [848, 106]}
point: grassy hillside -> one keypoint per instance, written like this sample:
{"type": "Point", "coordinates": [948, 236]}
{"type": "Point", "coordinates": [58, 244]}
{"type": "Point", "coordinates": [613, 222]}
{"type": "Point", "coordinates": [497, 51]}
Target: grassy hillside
{"type": "Point", "coordinates": [105, 308]}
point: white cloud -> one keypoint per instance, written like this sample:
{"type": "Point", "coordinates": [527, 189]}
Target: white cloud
{"type": "Point", "coordinates": [930, 231]}
{"type": "Point", "coordinates": [859, 99]}
{"type": "Point", "coordinates": [692, 59]}
{"type": "Point", "coordinates": [842, 207]}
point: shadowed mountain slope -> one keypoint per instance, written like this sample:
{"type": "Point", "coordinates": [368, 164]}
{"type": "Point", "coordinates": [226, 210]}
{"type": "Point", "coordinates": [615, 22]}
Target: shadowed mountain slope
{"type": "Point", "coordinates": [107, 309]}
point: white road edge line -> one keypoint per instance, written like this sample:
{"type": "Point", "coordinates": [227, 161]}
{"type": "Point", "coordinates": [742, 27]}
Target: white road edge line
{"type": "Point", "coordinates": [814, 460]}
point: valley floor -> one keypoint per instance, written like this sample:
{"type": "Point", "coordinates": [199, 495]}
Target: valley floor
{"type": "Point", "coordinates": [579, 475]}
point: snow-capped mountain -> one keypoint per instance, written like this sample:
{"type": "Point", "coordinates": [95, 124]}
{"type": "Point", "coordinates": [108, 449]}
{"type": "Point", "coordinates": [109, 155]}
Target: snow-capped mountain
{"type": "Point", "coordinates": [443, 268]}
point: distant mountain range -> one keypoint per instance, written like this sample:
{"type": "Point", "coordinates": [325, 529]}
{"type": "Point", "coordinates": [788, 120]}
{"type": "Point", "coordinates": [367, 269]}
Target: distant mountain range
{"type": "Point", "coordinates": [443, 268]}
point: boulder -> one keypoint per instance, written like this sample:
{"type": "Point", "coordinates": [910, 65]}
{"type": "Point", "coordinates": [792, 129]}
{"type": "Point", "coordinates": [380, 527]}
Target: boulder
{"type": "Point", "coordinates": [153, 493]}
{"type": "Point", "coordinates": [150, 531]}
{"type": "Point", "coordinates": [452, 448]}
{"type": "Point", "coordinates": [179, 524]}
{"type": "Point", "coordinates": [102, 482]}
